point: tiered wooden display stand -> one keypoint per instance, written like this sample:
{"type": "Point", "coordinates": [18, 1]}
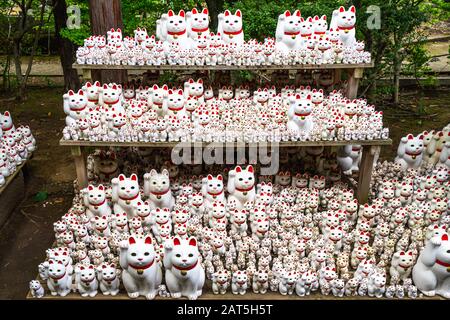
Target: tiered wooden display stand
{"type": "Point", "coordinates": [354, 74]}
{"type": "Point", "coordinates": [370, 148]}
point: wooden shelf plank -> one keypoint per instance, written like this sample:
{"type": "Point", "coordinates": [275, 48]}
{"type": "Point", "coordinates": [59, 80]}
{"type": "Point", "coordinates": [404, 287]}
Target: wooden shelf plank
{"type": "Point", "coordinates": [222, 67]}
{"type": "Point", "coordinates": [10, 178]}
{"type": "Point", "coordinates": [82, 143]}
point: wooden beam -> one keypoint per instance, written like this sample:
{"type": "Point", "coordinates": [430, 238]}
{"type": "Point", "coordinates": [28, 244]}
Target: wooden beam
{"type": "Point", "coordinates": [80, 166]}
{"type": "Point", "coordinates": [223, 67]}
{"type": "Point", "coordinates": [98, 144]}
{"type": "Point", "coordinates": [365, 172]}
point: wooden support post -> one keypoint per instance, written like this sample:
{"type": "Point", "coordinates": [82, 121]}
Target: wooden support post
{"type": "Point", "coordinates": [80, 166]}
{"type": "Point", "coordinates": [365, 172]}
{"type": "Point", "coordinates": [353, 82]}
{"type": "Point", "coordinates": [87, 75]}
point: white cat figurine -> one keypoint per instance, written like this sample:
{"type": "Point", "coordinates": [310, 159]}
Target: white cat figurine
{"type": "Point", "coordinates": [59, 280]}
{"type": "Point", "coordinates": [125, 194]}
{"type": "Point", "coordinates": [431, 272]}
{"type": "Point", "coordinates": [241, 186]}
{"type": "Point", "coordinates": [141, 275]}
{"type": "Point", "coordinates": [157, 189]}
{"type": "Point", "coordinates": [185, 275]}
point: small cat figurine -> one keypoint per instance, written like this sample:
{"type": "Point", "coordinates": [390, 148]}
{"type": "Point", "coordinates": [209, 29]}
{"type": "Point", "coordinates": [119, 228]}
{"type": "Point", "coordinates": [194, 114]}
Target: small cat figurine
{"type": "Point", "coordinates": [36, 289]}
{"type": "Point", "coordinates": [299, 114]}
{"type": "Point", "coordinates": [157, 189]}
{"type": "Point", "coordinates": [241, 186]}
{"type": "Point", "coordinates": [109, 280]}
{"type": "Point", "coordinates": [75, 107]}
{"type": "Point", "coordinates": [230, 27]}
{"type": "Point", "coordinates": [141, 273]}
{"type": "Point", "coordinates": [59, 280]}
{"type": "Point", "coordinates": [197, 23]}
{"type": "Point", "coordinates": [86, 280]}
{"type": "Point", "coordinates": [212, 190]}
{"type": "Point", "coordinates": [125, 194]}
{"type": "Point", "coordinates": [95, 201]}
{"type": "Point", "coordinates": [185, 275]}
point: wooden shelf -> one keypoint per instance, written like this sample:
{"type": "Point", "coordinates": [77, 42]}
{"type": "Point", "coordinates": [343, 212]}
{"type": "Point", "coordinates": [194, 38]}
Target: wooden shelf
{"type": "Point", "coordinates": [10, 178]}
{"type": "Point", "coordinates": [208, 295]}
{"type": "Point", "coordinates": [82, 143]}
{"type": "Point", "coordinates": [222, 67]}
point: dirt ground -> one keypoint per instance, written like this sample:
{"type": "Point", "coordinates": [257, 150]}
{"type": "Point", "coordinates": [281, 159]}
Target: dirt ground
{"type": "Point", "coordinates": [29, 231]}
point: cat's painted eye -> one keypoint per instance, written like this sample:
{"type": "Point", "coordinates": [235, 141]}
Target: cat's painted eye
{"type": "Point", "coordinates": [146, 254]}
{"type": "Point", "coordinates": [178, 255]}
{"type": "Point", "coordinates": [133, 254]}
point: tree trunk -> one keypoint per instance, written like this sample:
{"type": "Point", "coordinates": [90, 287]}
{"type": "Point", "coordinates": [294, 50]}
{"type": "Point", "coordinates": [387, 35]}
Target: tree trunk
{"type": "Point", "coordinates": [23, 87]}
{"type": "Point", "coordinates": [18, 67]}
{"type": "Point", "coordinates": [104, 15]}
{"type": "Point", "coordinates": [395, 97]}
{"type": "Point", "coordinates": [65, 47]}
{"type": "Point", "coordinates": [214, 7]}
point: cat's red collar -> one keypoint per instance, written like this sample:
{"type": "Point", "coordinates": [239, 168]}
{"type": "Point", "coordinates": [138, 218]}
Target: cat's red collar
{"type": "Point", "coordinates": [302, 114]}
{"type": "Point", "coordinates": [88, 281]}
{"type": "Point", "coordinates": [304, 35]}
{"type": "Point", "coordinates": [112, 103]}
{"type": "Point", "coordinates": [215, 194]}
{"type": "Point", "coordinates": [232, 33]}
{"type": "Point", "coordinates": [319, 32]}
{"type": "Point", "coordinates": [129, 199]}
{"type": "Point", "coordinates": [345, 28]}
{"type": "Point", "coordinates": [292, 33]}
{"type": "Point", "coordinates": [176, 109]}
{"type": "Point", "coordinates": [93, 100]}
{"type": "Point", "coordinates": [176, 33]}
{"type": "Point", "coordinates": [200, 30]}
{"type": "Point", "coordinates": [10, 127]}
{"type": "Point", "coordinates": [119, 125]}
{"type": "Point", "coordinates": [158, 103]}
{"type": "Point", "coordinates": [160, 193]}
{"type": "Point", "coordinates": [245, 190]}
{"type": "Point", "coordinates": [98, 204]}
{"type": "Point", "coordinates": [58, 278]}
{"type": "Point", "coordinates": [442, 263]}
{"type": "Point", "coordinates": [186, 268]}
{"type": "Point", "coordinates": [148, 265]}
{"type": "Point", "coordinates": [412, 154]}
{"type": "Point", "coordinates": [74, 109]}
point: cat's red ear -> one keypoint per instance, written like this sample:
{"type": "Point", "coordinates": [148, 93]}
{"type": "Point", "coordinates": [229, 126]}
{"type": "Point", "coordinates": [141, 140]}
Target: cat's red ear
{"type": "Point", "coordinates": [238, 13]}
{"type": "Point", "coordinates": [250, 169]}
{"type": "Point", "coordinates": [194, 11]}
{"type": "Point", "coordinates": [205, 11]}
{"type": "Point", "coordinates": [181, 13]}
{"type": "Point", "coordinates": [148, 240]}
{"type": "Point", "coordinates": [297, 13]}
{"type": "Point", "coordinates": [193, 242]}
{"type": "Point", "coordinates": [219, 177]}
{"type": "Point", "coordinates": [134, 177]}
{"type": "Point", "coordinates": [238, 169]}
{"type": "Point", "coordinates": [227, 13]}
{"type": "Point", "coordinates": [444, 237]}
{"type": "Point", "coordinates": [121, 177]}
{"type": "Point", "coordinates": [131, 240]}
{"type": "Point", "coordinates": [353, 9]}
{"type": "Point", "coordinates": [287, 13]}
{"type": "Point", "coordinates": [101, 187]}
{"type": "Point", "coordinates": [341, 9]}
{"type": "Point", "coordinates": [170, 13]}
{"type": "Point", "coordinates": [176, 241]}
{"type": "Point", "coordinates": [90, 187]}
